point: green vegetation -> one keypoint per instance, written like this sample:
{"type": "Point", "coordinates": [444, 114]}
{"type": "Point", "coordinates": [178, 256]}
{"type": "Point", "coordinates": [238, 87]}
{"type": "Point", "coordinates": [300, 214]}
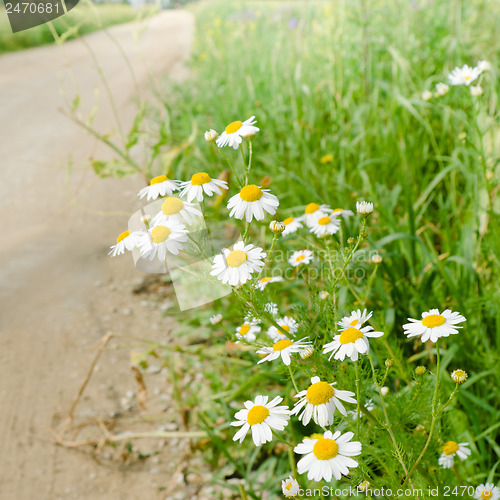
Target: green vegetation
{"type": "Point", "coordinates": [84, 18]}
{"type": "Point", "coordinates": [337, 88]}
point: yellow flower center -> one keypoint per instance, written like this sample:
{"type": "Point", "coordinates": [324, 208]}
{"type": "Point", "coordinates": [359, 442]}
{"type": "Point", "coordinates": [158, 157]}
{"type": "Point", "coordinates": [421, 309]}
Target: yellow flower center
{"type": "Point", "coordinates": [233, 127]}
{"type": "Point", "coordinates": [172, 206]}
{"type": "Point", "coordinates": [286, 328]}
{"type": "Point", "coordinates": [265, 280]}
{"type": "Point", "coordinates": [433, 320]}
{"type": "Point", "coordinates": [251, 193]}
{"type": "Point", "coordinates": [158, 179]}
{"type": "Point", "coordinates": [159, 234]}
{"type": "Point", "coordinates": [354, 322]}
{"type": "Point", "coordinates": [282, 344]}
{"type": "Point", "coordinates": [324, 221]}
{"type": "Point", "coordinates": [337, 210]}
{"type": "Point", "coordinates": [467, 78]}
{"type": "Point", "coordinates": [300, 258]}
{"type": "Point", "coordinates": [236, 258]}
{"type": "Point", "coordinates": [200, 178]}
{"type": "Point", "coordinates": [287, 221]}
{"type": "Point", "coordinates": [486, 494]}
{"type": "Point", "coordinates": [319, 393]}
{"type": "Point", "coordinates": [244, 329]}
{"type": "Point", "coordinates": [324, 449]}
{"type": "Point", "coordinates": [311, 208]}
{"type": "Point", "coordinates": [450, 448]}
{"type": "Point", "coordinates": [289, 486]}
{"type": "Point", "coordinates": [122, 236]}
{"type": "Point", "coordinates": [350, 335]}
{"type": "Point", "coordinates": [257, 415]}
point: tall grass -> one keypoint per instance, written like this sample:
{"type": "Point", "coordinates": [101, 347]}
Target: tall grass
{"type": "Point", "coordinates": [344, 78]}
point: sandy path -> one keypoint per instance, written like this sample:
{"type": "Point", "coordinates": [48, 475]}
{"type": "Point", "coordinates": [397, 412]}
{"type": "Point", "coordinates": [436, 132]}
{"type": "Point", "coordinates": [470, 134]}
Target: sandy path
{"type": "Point", "coordinates": [59, 291]}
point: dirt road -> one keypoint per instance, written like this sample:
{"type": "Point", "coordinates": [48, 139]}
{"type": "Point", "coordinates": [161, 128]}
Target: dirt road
{"type": "Point", "coordinates": [60, 292]}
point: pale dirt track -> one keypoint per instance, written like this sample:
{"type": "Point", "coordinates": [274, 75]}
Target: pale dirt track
{"type": "Point", "coordinates": [60, 292]}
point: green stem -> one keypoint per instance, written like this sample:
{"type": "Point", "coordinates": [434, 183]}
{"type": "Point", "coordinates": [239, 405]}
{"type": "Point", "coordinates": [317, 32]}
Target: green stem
{"type": "Point", "coordinates": [429, 437]}
{"type": "Point", "coordinates": [356, 364]}
{"type": "Point", "coordinates": [231, 165]}
{"type": "Point", "coordinates": [293, 465]}
{"type": "Point", "coordinates": [436, 390]}
{"type": "Point", "coordinates": [243, 495]}
{"type": "Point", "coordinates": [249, 161]}
{"type": "Point", "coordinates": [281, 439]}
{"type": "Point", "coordinates": [293, 380]}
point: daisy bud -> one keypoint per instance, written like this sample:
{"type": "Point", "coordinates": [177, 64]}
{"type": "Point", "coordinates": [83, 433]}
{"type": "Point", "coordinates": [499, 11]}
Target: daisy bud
{"type": "Point", "coordinates": [420, 370]}
{"type": "Point", "coordinates": [459, 376]}
{"type": "Point", "coordinates": [323, 295]}
{"type": "Point", "coordinates": [277, 227]}
{"type": "Point", "coordinates": [216, 319]}
{"type": "Point", "coordinates": [211, 135]}
{"type": "Point", "coordinates": [426, 95]}
{"type": "Point", "coordinates": [146, 218]}
{"type": "Point", "coordinates": [476, 91]}
{"type": "Point", "coordinates": [376, 259]}
{"type": "Point", "coordinates": [389, 363]}
{"type": "Point", "coordinates": [462, 136]}
{"type": "Point", "coordinates": [441, 89]}
{"type": "Point", "coordinates": [384, 391]}
{"type": "Point", "coordinates": [364, 486]}
{"type": "Point", "coordinates": [364, 208]}
{"type": "Point", "coordinates": [307, 352]}
{"type": "Point", "coordinates": [351, 241]}
{"type": "Point", "coordinates": [290, 487]}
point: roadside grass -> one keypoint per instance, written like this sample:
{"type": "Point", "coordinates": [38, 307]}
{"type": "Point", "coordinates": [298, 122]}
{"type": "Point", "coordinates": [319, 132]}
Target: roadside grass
{"type": "Point", "coordinates": [336, 88]}
{"type": "Point", "coordinates": [345, 79]}
{"type": "Point", "coordinates": [83, 19]}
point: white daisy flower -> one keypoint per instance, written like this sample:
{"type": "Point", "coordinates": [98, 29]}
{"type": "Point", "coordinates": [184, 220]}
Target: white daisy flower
{"type": "Point", "coordinates": [261, 417]}
{"type": "Point", "coordinates": [324, 225]}
{"type": "Point", "coordinates": [337, 212]}
{"type": "Point", "coordinates": [233, 133]}
{"type": "Point", "coordinates": [329, 456]}
{"type": "Point", "coordinates": [159, 186]}
{"type": "Point", "coordinates": [176, 210]}
{"type": "Point", "coordinates": [248, 330]}
{"type": "Point", "coordinates": [290, 487]}
{"type": "Point", "coordinates": [288, 324]}
{"type": "Point", "coordinates": [216, 319]}
{"type": "Point", "coordinates": [125, 241]}
{"type": "Point", "coordinates": [271, 308]}
{"type": "Point", "coordinates": [301, 257]}
{"type": "Point", "coordinates": [352, 340]}
{"type": "Point", "coordinates": [459, 376]}
{"type": "Point", "coordinates": [200, 184]}
{"type": "Point", "coordinates": [450, 449]}
{"type": "Point", "coordinates": [434, 325]}
{"type": "Point", "coordinates": [476, 90]}
{"type": "Point", "coordinates": [252, 201]}
{"type": "Point", "coordinates": [364, 208]}
{"type": "Point", "coordinates": [464, 75]}
{"type": "Point", "coordinates": [314, 211]}
{"type": "Point", "coordinates": [484, 66]}
{"type": "Point", "coordinates": [162, 238]}
{"type": "Point", "coordinates": [356, 318]}
{"type": "Point", "coordinates": [441, 89]}
{"type": "Point", "coordinates": [319, 402]}
{"type": "Point", "coordinates": [291, 225]}
{"type": "Point", "coordinates": [283, 348]}
{"type": "Point", "coordinates": [487, 491]}
{"type": "Point", "coordinates": [236, 266]}
{"type": "Point", "coordinates": [263, 282]}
